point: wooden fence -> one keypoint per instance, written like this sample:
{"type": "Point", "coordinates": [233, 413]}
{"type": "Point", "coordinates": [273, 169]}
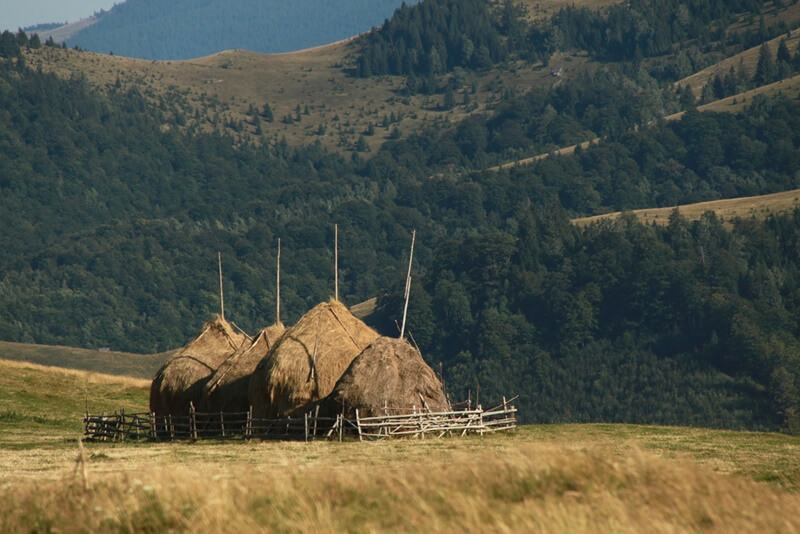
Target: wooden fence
{"type": "Point", "coordinates": [121, 426]}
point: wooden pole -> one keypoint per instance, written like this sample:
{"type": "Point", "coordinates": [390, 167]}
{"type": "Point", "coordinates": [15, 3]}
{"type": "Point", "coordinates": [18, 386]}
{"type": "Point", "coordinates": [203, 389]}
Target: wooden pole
{"type": "Point", "coordinates": [221, 294]}
{"type": "Point", "coordinates": [278, 287]}
{"type": "Point", "coordinates": [408, 284]}
{"type": "Point", "coordinates": [336, 259]}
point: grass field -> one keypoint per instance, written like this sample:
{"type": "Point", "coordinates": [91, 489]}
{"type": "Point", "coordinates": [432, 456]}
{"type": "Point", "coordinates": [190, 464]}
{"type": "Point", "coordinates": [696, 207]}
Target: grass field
{"type": "Point", "coordinates": [544, 478]}
{"type": "Point", "coordinates": [107, 362]}
{"type": "Point", "coordinates": [747, 58]}
{"type": "Point", "coordinates": [744, 207]}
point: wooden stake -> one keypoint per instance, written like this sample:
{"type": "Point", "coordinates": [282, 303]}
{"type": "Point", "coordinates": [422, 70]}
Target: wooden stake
{"type": "Point", "coordinates": [278, 286]}
{"type": "Point", "coordinates": [221, 294]}
{"type": "Point", "coordinates": [408, 284]}
{"type": "Point", "coordinates": [336, 259]}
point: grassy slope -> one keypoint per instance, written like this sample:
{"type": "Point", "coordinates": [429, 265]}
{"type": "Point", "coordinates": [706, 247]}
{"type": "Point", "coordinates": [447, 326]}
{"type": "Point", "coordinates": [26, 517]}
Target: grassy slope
{"type": "Point", "coordinates": [542, 478]}
{"type": "Point", "coordinates": [758, 206]}
{"type": "Point", "coordinates": [108, 362]}
{"type": "Point", "coordinates": [748, 58]}
{"type": "Point", "coordinates": [313, 78]}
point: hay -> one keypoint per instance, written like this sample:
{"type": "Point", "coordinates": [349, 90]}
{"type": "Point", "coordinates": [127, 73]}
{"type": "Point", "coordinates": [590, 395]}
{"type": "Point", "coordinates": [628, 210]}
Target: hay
{"type": "Point", "coordinates": [182, 377]}
{"type": "Point", "coordinates": [389, 373]}
{"type": "Point", "coordinates": [227, 389]}
{"type": "Point", "coordinates": [308, 360]}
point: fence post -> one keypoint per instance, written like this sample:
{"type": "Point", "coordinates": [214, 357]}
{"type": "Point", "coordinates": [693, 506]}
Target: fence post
{"type": "Point", "coordinates": [192, 421]}
{"type": "Point", "coordinates": [316, 420]}
{"type": "Point", "coordinates": [248, 433]}
{"type": "Point", "coordinates": [358, 426]}
{"type": "Point", "coordinates": [340, 420]}
{"type": "Point", "coordinates": [305, 421]}
{"type": "Point", "coordinates": [121, 427]}
{"type": "Point", "coordinates": [171, 427]}
{"type": "Point", "coordinates": [480, 410]}
{"type": "Point", "coordinates": [153, 429]}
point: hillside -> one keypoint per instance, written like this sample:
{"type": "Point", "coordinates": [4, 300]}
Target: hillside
{"type": "Point", "coordinates": [99, 361]}
{"type": "Point", "coordinates": [579, 478]}
{"type": "Point", "coordinates": [313, 99]}
{"type": "Point", "coordinates": [184, 29]}
{"type": "Point", "coordinates": [759, 207]}
{"type": "Point", "coordinates": [116, 196]}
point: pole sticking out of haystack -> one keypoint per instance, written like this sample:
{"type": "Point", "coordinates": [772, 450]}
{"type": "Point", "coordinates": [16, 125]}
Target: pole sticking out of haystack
{"type": "Point", "coordinates": [408, 284]}
{"type": "Point", "coordinates": [336, 259]}
{"type": "Point", "coordinates": [221, 294]}
{"type": "Point", "coordinates": [278, 286]}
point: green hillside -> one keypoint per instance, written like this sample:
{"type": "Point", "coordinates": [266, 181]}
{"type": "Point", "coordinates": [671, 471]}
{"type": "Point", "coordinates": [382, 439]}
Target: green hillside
{"type": "Point", "coordinates": [116, 201]}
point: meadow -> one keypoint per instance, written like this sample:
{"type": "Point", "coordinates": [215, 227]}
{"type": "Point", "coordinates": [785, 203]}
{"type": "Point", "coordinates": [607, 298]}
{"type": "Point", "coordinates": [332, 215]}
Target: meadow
{"type": "Point", "coordinates": [542, 478]}
{"type": "Point", "coordinates": [758, 207]}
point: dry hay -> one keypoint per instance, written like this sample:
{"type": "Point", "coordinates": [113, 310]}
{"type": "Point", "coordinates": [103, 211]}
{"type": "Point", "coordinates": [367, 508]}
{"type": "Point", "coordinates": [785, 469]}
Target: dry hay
{"type": "Point", "coordinates": [227, 389]}
{"type": "Point", "coordinates": [308, 360]}
{"type": "Point", "coordinates": [182, 377]}
{"type": "Point", "coordinates": [389, 376]}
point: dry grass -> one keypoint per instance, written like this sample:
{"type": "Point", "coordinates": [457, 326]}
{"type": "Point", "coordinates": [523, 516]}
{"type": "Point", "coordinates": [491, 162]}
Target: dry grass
{"type": "Point", "coordinates": [577, 478]}
{"type": "Point", "coordinates": [789, 87]}
{"type": "Point", "coordinates": [744, 207]}
{"type": "Point", "coordinates": [499, 485]}
{"type": "Point", "coordinates": [748, 58]}
{"type": "Point", "coordinates": [108, 362]}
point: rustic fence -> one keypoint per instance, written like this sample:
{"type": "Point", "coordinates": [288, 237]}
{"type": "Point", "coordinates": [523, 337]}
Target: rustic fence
{"type": "Point", "coordinates": [121, 426]}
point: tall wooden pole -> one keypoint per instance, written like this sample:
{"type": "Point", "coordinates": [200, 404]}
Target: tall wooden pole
{"type": "Point", "coordinates": [221, 294]}
{"type": "Point", "coordinates": [336, 259]}
{"type": "Point", "coordinates": [408, 284]}
{"type": "Point", "coordinates": [278, 286]}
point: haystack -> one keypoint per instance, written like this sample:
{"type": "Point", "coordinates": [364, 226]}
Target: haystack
{"type": "Point", "coordinates": [389, 376]}
{"type": "Point", "coordinates": [308, 360]}
{"type": "Point", "coordinates": [182, 377]}
{"type": "Point", "coordinates": [227, 389]}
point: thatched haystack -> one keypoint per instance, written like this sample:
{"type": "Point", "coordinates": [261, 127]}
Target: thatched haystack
{"type": "Point", "coordinates": [308, 360]}
{"type": "Point", "coordinates": [182, 377]}
{"type": "Point", "coordinates": [227, 389]}
{"type": "Point", "coordinates": [389, 373]}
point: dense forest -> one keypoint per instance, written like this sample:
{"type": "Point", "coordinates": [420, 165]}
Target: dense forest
{"type": "Point", "coordinates": [183, 29]}
{"type": "Point", "coordinates": [434, 37]}
{"type": "Point", "coordinates": [112, 222]}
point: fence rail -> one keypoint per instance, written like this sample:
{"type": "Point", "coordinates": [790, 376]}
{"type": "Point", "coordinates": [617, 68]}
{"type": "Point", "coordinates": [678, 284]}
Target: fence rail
{"type": "Point", "coordinates": [121, 426]}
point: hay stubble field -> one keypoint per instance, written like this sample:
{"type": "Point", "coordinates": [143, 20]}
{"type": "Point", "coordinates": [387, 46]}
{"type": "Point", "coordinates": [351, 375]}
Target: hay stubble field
{"type": "Point", "coordinates": [553, 478]}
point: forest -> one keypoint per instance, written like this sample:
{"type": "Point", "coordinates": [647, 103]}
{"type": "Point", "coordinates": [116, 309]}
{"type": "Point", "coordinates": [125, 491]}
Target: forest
{"type": "Point", "coordinates": [112, 223]}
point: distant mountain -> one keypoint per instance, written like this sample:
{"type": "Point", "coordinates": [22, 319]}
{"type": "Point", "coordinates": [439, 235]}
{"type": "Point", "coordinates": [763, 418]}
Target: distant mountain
{"type": "Point", "coordinates": [183, 29]}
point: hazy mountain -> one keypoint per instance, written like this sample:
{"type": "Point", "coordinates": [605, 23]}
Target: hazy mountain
{"type": "Point", "coordinates": [181, 29]}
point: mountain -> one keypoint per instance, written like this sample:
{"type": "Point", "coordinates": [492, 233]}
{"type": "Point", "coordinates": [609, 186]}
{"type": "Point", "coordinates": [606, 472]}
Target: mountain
{"type": "Point", "coordinates": [182, 29]}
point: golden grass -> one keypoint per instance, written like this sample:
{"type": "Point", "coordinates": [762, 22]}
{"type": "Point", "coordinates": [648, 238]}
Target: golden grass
{"type": "Point", "coordinates": [789, 87]}
{"type": "Point", "coordinates": [748, 58]}
{"type": "Point", "coordinates": [498, 484]}
{"type": "Point", "coordinates": [364, 309]}
{"type": "Point", "coordinates": [543, 478]}
{"type": "Point", "coordinates": [108, 362]}
{"type": "Point", "coordinates": [744, 207]}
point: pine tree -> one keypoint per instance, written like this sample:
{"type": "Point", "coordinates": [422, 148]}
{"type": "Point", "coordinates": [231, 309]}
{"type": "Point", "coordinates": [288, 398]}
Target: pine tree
{"type": "Point", "coordinates": [765, 70]}
{"type": "Point", "coordinates": [783, 52]}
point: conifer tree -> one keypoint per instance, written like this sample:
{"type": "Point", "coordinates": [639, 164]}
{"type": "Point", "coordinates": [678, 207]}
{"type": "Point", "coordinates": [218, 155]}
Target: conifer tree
{"type": "Point", "coordinates": [765, 69]}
